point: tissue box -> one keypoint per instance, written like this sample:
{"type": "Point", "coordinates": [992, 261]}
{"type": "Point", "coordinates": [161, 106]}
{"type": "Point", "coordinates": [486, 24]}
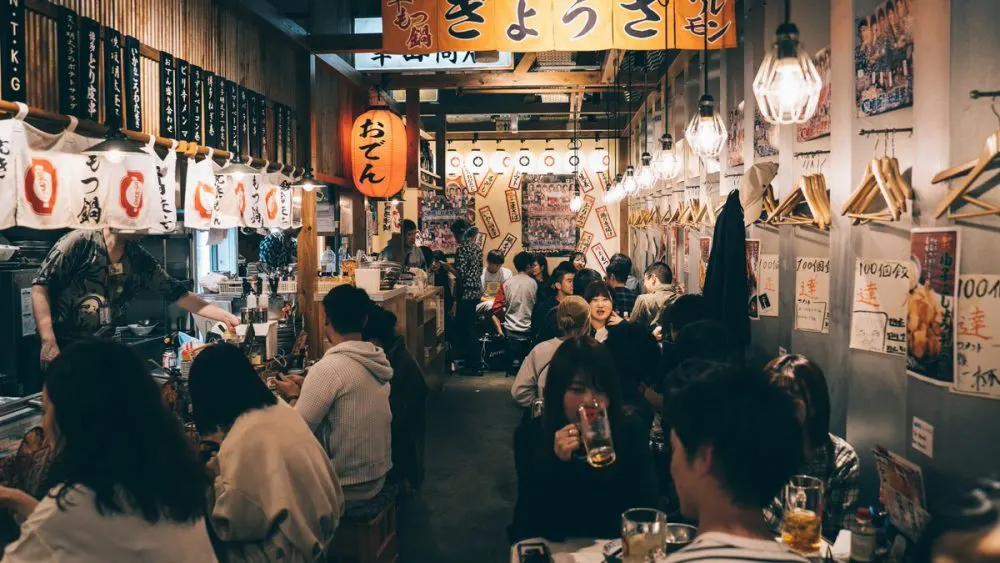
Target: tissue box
{"type": "Point", "coordinates": [368, 279]}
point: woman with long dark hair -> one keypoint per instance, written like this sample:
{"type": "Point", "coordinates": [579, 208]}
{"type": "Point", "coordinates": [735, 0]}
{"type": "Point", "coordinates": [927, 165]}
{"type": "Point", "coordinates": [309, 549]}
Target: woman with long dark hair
{"type": "Point", "coordinates": [276, 495]}
{"type": "Point", "coordinates": [559, 494]}
{"type": "Point", "coordinates": [126, 483]}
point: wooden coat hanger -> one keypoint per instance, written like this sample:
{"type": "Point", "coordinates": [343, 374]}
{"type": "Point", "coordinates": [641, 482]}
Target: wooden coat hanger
{"type": "Point", "coordinates": [988, 157]}
{"type": "Point", "coordinates": [881, 178]}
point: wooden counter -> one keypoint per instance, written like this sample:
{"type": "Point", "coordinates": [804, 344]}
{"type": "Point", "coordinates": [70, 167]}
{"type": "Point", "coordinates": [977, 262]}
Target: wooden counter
{"type": "Point", "coordinates": [425, 333]}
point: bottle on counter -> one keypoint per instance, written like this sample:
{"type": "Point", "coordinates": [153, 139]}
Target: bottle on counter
{"type": "Point", "coordinates": [863, 537]}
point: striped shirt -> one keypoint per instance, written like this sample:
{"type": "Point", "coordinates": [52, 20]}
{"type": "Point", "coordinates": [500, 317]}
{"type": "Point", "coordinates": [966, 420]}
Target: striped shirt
{"type": "Point", "coordinates": [719, 547]}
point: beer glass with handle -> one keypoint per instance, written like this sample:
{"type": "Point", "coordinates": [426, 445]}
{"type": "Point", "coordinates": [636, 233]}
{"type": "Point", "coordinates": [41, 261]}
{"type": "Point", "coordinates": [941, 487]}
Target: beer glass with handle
{"type": "Point", "coordinates": [595, 433]}
{"type": "Point", "coordinates": [801, 524]}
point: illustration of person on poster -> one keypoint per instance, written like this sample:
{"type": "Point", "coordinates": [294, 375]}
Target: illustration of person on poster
{"type": "Point", "coordinates": [438, 210]}
{"type": "Point", "coordinates": [930, 308]}
{"type": "Point", "coordinates": [548, 224]}
{"type": "Point", "coordinates": [883, 58]}
{"type": "Point", "coordinates": [819, 124]}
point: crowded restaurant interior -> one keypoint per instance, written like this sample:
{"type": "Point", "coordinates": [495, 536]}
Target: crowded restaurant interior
{"type": "Point", "coordinates": [454, 281]}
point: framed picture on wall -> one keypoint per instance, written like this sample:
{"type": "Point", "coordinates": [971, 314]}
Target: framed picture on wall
{"type": "Point", "coordinates": [883, 58]}
{"type": "Point", "coordinates": [819, 124]}
{"type": "Point", "coordinates": [548, 224]}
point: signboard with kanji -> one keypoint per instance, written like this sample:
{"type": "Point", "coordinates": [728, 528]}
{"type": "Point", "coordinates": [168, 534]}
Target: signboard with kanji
{"type": "Point", "coordinates": [878, 312]}
{"type": "Point", "coordinates": [930, 309]}
{"type": "Point", "coordinates": [978, 340]}
{"type": "Point", "coordinates": [812, 295]}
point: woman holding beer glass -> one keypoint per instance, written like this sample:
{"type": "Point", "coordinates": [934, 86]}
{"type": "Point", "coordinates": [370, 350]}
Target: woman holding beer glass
{"type": "Point", "coordinates": [828, 458]}
{"type": "Point", "coordinates": [583, 462]}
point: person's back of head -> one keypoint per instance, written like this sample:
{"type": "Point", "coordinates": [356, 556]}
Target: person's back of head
{"type": "Point", "coordinates": [408, 226]}
{"type": "Point", "coordinates": [583, 279]}
{"type": "Point", "coordinates": [804, 381]}
{"type": "Point", "coordinates": [523, 261]}
{"type": "Point", "coordinates": [223, 386]}
{"type": "Point", "coordinates": [573, 316]}
{"type": "Point", "coordinates": [116, 436]}
{"type": "Point", "coordinates": [620, 267]}
{"type": "Point", "coordinates": [660, 272]}
{"type": "Point", "coordinates": [439, 256]}
{"type": "Point", "coordinates": [459, 227]}
{"type": "Point", "coordinates": [686, 309]}
{"type": "Point", "coordinates": [346, 309]}
{"type": "Point", "coordinates": [495, 257]}
{"type": "Point", "coordinates": [723, 423]}
{"type": "Point", "coordinates": [635, 351]}
{"type": "Point", "coordinates": [707, 340]}
{"type": "Point", "coordinates": [380, 327]}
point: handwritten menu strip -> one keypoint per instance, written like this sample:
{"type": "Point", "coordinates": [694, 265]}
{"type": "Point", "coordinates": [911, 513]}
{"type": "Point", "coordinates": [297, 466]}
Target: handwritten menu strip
{"type": "Point", "coordinates": [978, 340]}
{"type": "Point", "coordinates": [70, 69]}
{"type": "Point", "coordinates": [930, 313]}
{"type": "Point", "coordinates": [507, 244]}
{"type": "Point", "coordinates": [515, 180]}
{"type": "Point", "coordinates": [491, 223]}
{"type": "Point", "coordinates": [604, 216]}
{"type": "Point", "coordinates": [602, 256]}
{"type": "Point", "coordinates": [586, 185]}
{"type": "Point", "coordinates": [753, 277]}
{"type": "Point", "coordinates": [604, 180]}
{"type": "Point", "coordinates": [470, 180]}
{"type": "Point", "coordinates": [586, 239]}
{"type": "Point", "coordinates": [878, 318]}
{"type": "Point", "coordinates": [488, 181]}
{"type": "Point", "coordinates": [767, 285]}
{"type": "Point", "coordinates": [481, 240]}
{"type": "Point", "coordinates": [584, 213]}
{"type": "Point", "coordinates": [812, 294]}
{"type": "Point", "coordinates": [513, 206]}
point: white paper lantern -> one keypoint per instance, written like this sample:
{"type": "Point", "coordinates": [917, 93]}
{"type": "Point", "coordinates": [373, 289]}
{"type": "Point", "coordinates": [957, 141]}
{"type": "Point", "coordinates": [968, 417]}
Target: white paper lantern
{"type": "Point", "coordinates": [525, 161]}
{"type": "Point", "coordinates": [475, 161]}
{"type": "Point", "coordinates": [500, 161]}
{"type": "Point", "coordinates": [599, 160]}
{"type": "Point", "coordinates": [548, 163]}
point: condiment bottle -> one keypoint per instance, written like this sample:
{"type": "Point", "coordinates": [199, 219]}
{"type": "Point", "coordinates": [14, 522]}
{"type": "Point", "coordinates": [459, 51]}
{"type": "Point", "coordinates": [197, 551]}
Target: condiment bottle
{"type": "Point", "coordinates": [863, 537]}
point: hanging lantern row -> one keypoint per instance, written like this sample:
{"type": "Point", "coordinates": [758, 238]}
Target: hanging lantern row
{"type": "Point", "coordinates": [525, 161]}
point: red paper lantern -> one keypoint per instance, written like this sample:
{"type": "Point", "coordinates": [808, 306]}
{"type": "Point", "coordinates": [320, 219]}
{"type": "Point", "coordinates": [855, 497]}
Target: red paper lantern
{"type": "Point", "coordinates": [378, 153]}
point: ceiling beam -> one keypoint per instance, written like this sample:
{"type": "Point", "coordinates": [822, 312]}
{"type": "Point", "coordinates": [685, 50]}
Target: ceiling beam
{"type": "Point", "coordinates": [344, 43]}
{"type": "Point", "coordinates": [548, 126]}
{"type": "Point", "coordinates": [508, 136]}
{"type": "Point", "coordinates": [524, 65]}
{"type": "Point", "coordinates": [493, 80]}
{"type": "Point", "coordinates": [476, 105]}
{"type": "Point", "coordinates": [609, 68]}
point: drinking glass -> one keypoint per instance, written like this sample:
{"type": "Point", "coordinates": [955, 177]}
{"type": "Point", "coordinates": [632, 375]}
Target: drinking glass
{"type": "Point", "coordinates": [644, 534]}
{"type": "Point", "coordinates": [595, 433]}
{"type": "Point", "coordinates": [802, 521]}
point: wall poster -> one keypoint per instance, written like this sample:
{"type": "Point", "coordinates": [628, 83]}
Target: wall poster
{"type": "Point", "coordinates": [883, 58]}
{"type": "Point", "coordinates": [978, 341]}
{"type": "Point", "coordinates": [819, 124]}
{"type": "Point", "coordinates": [878, 312]}
{"type": "Point", "coordinates": [753, 275]}
{"type": "Point", "coordinates": [734, 144]}
{"type": "Point", "coordinates": [705, 252]}
{"type": "Point", "coordinates": [930, 309]}
{"type": "Point", "coordinates": [438, 210]}
{"type": "Point", "coordinates": [767, 285]}
{"type": "Point", "coordinates": [549, 226]}
{"type": "Point", "coordinates": [812, 295]}
{"type": "Point", "coordinates": [765, 141]}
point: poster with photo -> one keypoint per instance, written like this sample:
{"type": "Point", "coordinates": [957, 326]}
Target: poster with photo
{"type": "Point", "coordinates": [819, 124]}
{"type": "Point", "coordinates": [753, 276]}
{"type": "Point", "coordinates": [883, 58]}
{"type": "Point", "coordinates": [878, 311]}
{"type": "Point", "coordinates": [765, 142]}
{"type": "Point", "coordinates": [930, 309]}
{"type": "Point", "coordinates": [767, 286]}
{"type": "Point", "coordinates": [439, 209]}
{"type": "Point", "coordinates": [978, 342]}
{"type": "Point", "coordinates": [812, 294]}
{"type": "Point", "coordinates": [734, 144]}
{"type": "Point", "coordinates": [705, 252]}
{"type": "Point", "coordinates": [548, 224]}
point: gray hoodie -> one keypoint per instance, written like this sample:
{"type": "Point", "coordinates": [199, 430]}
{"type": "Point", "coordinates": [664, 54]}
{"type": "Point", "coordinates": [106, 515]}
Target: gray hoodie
{"type": "Point", "coordinates": [345, 401]}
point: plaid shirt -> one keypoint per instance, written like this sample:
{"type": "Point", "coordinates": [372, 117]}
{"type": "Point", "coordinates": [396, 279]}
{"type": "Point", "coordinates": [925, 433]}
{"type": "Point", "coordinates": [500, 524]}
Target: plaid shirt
{"type": "Point", "coordinates": [837, 465]}
{"type": "Point", "coordinates": [623, 300]}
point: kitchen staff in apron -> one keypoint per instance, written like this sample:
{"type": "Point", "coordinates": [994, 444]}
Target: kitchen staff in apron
{"type": "Point", "coordinates": [87, 281]}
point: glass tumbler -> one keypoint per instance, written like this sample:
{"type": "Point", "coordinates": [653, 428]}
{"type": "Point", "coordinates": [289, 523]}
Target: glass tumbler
{"type": "Point", "coordinates": [644, 535]}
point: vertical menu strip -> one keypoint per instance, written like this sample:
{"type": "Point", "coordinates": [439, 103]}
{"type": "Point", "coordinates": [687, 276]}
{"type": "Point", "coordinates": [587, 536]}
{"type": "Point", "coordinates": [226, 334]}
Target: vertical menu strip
{"type": "Point", "coordinates": [263, 125]}
{"type": "Point", "coordinates": [244, 146]}
{"type": "Point", "coordinates": [196, 104]}
{"type": "Point", "coordinates": [211, 109]}
{"type": "Point", "coordinates": [232, 113]}
{"type": "Point", "coordinates": [68, 46]}
{"type": "Point", "coordinates": [90, 44]}
{"type": "Point", "coordinates": [183, 100]}
{"type": "Point", "coordinates": [168, 97]}
{"type": "Point", "coordinates": [133, 84]}
{"type": "Point", "coordinates": [254, 119]}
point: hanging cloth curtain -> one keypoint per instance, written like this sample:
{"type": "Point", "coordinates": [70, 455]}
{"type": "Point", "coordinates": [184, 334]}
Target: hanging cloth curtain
{"type": "Point", "coordinates": [726, 287]}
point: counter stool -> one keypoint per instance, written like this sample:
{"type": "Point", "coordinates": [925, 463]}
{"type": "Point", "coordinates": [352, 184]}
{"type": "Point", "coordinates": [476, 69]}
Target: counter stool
{"type": "Point", "coordinates": [367, 532]}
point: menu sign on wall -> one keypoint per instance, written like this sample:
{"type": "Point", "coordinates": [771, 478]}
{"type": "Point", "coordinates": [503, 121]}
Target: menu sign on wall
{"type": "Point", "coordinates": [183, 100]}
{"type": "Point", "coordinates": [90, 31]}
{"type": "Point", "coordinates": [68, 46]}
{"type": "Point", "coordinates": [133, 84]}
{"type": "Point", "coordinates": [812, 295]}
{"type": "Point", "coordinates": [878, 313]}
{"type": "Point", "coordinates": [168, 97]}
{"type": "Point", "coordinates": [930, 309]}
{"type": "Point", "coordinates": [196, 103]}
{"type": "Point", "coordinates": [978, 341]}
{"type": "Point", "coordinates": [767, 285]}
{"type": "Point", "coordinates": [113, 98]}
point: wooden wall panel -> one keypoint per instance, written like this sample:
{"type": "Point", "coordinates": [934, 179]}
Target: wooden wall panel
{"type": "Point", "coordinates": [213, 34]}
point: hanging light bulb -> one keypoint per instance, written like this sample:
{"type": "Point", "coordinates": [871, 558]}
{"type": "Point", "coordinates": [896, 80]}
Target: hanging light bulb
{"type": "Point", "coordinates": [236, 169]}
{"type": "Point", "coordinates": [629, 182]}
{"type": "Point", "coordinates": [307, 182]}
{"type": "Point", "coordinates": [525, 161]}
{"type": "Point", "coordinates": [548, 161]}
{"type": "Point", "coordinates": [787, 85]}
{"type": "Point", "coordinates": [499, 160]}
{"type": "Point", "coordinates": [706, 133]}
{"type": "Point", "coordinates": [114, 147]}
{"type": "Point", "coordinates": [645, 177]}
{"type": "Point", "coordinates": [599, 160]}
{"type": "Point", "coordinates": [576, 204]}
{"type": "Point", "coordinates": [475, 161]}
{"type": "Point", "coordinates": [666, 165]}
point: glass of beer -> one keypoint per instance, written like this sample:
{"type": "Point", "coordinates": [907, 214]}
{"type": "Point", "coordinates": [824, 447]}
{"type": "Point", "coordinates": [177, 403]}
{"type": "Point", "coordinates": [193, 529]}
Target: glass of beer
{"type": "Point", "coordinates": [595, 433]}
{"type": "Point", "coordinates": [644, 535]}
{"type": "Point", "coordinates": [803, 516]}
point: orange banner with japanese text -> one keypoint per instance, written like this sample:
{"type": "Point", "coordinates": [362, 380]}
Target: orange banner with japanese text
{"type": "Point", "coordinates": [410, 25]}
{"type": "Point", "coordinates": [638, 24]}
{"type": "Point", "coordinates": [582, 25]}
{"type": "Point", "coordinates": [523, 26]}
{"type": "Point", "coordinates": [463, 25]}
{"type": "Point", "coordinates": [686, 27]}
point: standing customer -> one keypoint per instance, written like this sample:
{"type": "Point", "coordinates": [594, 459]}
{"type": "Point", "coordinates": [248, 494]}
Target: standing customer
{"type": "Point", "coordinates": [573, 319]}
{"type": "Point", "coordinates": [127, 484]}
{"type": "Point", "coordinates": [541, 270]}
{"type": "Point", "coordinates": [345, 397]}
{"type": "Point", "coordinates": [661, 292]}
{"type": "Point", "coordinates": [468, 292]}
{"type": "Point", "coordinates": [602, 314]}
{"type": "Point", "coordinates": [579, 260]}
{"type": "Point", "coordinates": [276, 496]}
{"type": "Point", "coordinates": [402, 249]}
{"type": "Point", "coordinates": [734, 442]}
{"type": "Point", "coordinates": [407, 398]}
{"type": "Point", "coordinates": [543, 318]}
{"type": "Point", "coordinates": [618, 272]}
{"type": "Point", "coordinates": [827, 457]}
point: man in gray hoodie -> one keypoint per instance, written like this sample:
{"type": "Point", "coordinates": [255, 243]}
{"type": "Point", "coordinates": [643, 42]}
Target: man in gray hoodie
{"type": "Point", "coordinates": [345, 397]}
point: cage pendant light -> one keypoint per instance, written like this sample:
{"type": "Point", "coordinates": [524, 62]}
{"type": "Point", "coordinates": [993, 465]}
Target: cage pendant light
{"type": "Point", "coordinates": [787, 85]}
{"type": "Point", "coordinates": [706, 133]}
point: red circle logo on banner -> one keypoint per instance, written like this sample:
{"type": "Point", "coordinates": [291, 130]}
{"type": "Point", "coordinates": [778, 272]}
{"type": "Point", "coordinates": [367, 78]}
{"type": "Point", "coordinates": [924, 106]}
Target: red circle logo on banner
{"type": "Point", "coordinates": [130, 193]}
{"type": "Point", "coordinates": [204, 200]}
{"type": "Point", "coordinates": [41, 186]}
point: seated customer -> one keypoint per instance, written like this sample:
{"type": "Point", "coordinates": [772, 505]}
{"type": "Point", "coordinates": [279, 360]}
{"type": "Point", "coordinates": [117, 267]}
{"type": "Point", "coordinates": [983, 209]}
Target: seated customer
{"type": "Point", "coordinates": [636, 353]}
{"type": "Point", "coordinates": [631, 281]}
{"type": "Point", "coordinates": [276, 496]}
{"type": "Point", "coordinates": [660, 294]}
{"type": "Point", "coordinates": [734, 441]}
{"type": "Point", "coordinates": [618, 272]}
{"type": "Point", "coordinates": [702, 340]}
{"type": "Point", "coordinates": [559, 494]}
{"type": "Point", "coordinates": [602, 315]}
{"type": "Point", "coordinates": [827, 457]}
{"type": "Point", "coordinates": [407, 398]}
{"type": "Point", "coordinates": [345, 397]}
{"type": "Point", "coordinates": [583, 279]}
{"type": "Point", "coordinates": [126, 483]}
{"type": "Point", "coordinates": [519, 294]}
{"type": "Point", "coordinates": [573, 318]}
{"type": "Point", "coordinates": [543, 317]}
{"type": "Point", "coordinates": [494, 274]}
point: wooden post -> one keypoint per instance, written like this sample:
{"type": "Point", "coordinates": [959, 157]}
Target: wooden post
{"type": "Point", "coordinates": [441, 149]}
{"type": "Point", "coordinates": [412, 137]}
{"type": "Point", "coordinates": [308, 253]}
{"type": "Point", "coordinates": [620, 163]}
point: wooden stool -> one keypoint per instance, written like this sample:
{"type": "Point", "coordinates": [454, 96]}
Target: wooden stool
{"type": "Point", "coordinates": [367, 532]}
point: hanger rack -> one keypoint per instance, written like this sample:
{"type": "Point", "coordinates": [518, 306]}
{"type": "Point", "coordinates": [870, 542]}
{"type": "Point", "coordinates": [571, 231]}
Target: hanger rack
{"type": "Point", "coordinates": [988, 158]}
{"type": "Point", "coordinates": [882, 178]}
{"type": "Point", "coordinates": [888, 131]}
{"type": "Point", "coordinates": [810, 153]}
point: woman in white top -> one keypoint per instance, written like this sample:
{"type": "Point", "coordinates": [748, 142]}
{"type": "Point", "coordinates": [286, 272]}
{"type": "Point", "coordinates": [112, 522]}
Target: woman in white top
{"type": "Point", "coordinates": [573, 319]}
{"type": "Point", "coordinates": [127, 485]}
